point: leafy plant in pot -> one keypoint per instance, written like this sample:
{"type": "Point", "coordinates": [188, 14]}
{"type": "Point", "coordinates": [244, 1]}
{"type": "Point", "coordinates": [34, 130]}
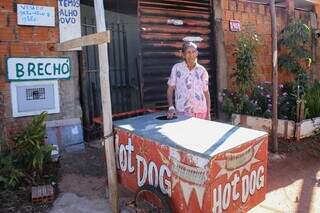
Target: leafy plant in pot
{"type": "Point", "coordinates": [31, 150]}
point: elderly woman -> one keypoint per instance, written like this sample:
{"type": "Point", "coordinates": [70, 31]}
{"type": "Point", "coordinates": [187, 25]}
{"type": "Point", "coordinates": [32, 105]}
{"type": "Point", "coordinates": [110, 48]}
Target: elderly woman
{"type": "Point", "coordinates": [189, 82]}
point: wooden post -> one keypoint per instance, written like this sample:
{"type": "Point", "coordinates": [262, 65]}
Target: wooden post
{"type": "Point", "coordinates": [316, 8]}
{"type": "Point", "coordinates": [106, 108]}
{"type": "Point", "coordinates": [314, 27]}
{"type": "Point", "coordinates": [102, 37]}
{"type": "Point", "coordinates": [274, 76]}
{"type": "Point", "coordinates": [290, 10]}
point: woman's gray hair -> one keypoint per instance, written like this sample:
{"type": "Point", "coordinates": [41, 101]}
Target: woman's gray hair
{"type": "Point", "coordinates": [188, 44]}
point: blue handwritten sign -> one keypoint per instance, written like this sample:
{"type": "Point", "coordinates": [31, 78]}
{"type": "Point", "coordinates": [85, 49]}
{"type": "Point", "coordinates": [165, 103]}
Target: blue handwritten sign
{"type": "Point", "coordinates": [35, 15]}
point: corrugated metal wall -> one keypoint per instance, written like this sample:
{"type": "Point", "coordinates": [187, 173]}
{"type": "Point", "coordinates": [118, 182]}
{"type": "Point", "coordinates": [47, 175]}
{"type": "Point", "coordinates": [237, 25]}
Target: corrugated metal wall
{"type": "Point", "coordinates": [162, 37]}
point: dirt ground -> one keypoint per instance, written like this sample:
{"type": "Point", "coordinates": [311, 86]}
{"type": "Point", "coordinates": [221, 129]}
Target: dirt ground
{"type": "Point", "coordinates": [82, 186]}
{"type": "Point", "coordinates": [18, 200]}
{"type": "Point", "coordinates": [293, 181]}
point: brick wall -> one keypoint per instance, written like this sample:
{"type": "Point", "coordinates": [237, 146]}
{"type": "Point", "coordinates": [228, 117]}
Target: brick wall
{"type": "Point", "coordinates": [29, 41]}
{"type": "Point", "coordinates": [256, 17]}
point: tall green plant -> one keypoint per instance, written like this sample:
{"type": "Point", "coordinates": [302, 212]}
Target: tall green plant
{"type": "Point", "coordinates": [245, 55]}
{"type": "Point", "coordinates": [32, 151]}
{"type": "Point", "coordinates": [294, 41]}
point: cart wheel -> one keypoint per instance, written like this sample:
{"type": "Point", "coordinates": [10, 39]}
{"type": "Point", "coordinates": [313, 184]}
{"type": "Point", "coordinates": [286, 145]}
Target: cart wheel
{"type": "Point", "coordinates": [152, 200]}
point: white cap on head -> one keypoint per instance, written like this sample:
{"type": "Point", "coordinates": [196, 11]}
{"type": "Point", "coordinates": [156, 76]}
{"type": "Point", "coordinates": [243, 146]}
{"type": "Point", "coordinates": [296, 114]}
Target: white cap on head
{"type": "Point", "coordinates": [188, 44]}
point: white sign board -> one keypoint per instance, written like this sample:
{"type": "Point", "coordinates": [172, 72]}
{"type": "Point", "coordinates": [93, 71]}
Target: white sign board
{"type": "Point", "coordinates": [69, 20]}
{"type": "Point", "coordinates": [35, 15]}
{"type": "Point", "coordinates": [25, 69]}
{"type": "Point", "coordinates": [235, 25]}
{"type": "Point", "coordinates": [34, 97]}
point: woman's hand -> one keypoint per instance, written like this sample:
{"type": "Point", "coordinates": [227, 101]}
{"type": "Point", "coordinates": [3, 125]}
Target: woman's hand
{"type": "Point", "coordinates": [209, 116]}
{"type": "Point", "coordinates": [171, 112]}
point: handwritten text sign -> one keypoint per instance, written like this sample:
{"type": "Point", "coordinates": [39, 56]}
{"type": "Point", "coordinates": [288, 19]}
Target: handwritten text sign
{"type": "Point", "coordinates": [235, 26]}
{"type": "Point", "coordinates": [35, 15]}
{"type": "Point", "coordinates": [24, 69]}
{"type": "Point", "coordinates": [69, 20]}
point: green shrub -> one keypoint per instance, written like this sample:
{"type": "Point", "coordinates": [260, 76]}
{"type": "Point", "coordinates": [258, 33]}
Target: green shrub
{"type": "Point", "coordinates": [31, 150]}
{"type": "Point", "coordinates": [27, 159]}
{"type": "Point", "coordinates": [312, 101]}
{"type": "Point", "coordinates": [10, 176]}
{"type": "Point", "coordinates": [259, 102]}
{"type": "Point", "coordinates": [237, 103]}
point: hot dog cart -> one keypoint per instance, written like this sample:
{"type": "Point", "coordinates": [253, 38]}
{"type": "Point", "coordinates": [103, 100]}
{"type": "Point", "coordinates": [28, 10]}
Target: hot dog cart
{"type": "Point", "coordinates": [199, 165]}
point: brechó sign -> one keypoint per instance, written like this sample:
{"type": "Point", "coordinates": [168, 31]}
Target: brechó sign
{"type": "Point", "coordinates": [24, 69]}
{"type": "Point", "coordinates": [35, 15]}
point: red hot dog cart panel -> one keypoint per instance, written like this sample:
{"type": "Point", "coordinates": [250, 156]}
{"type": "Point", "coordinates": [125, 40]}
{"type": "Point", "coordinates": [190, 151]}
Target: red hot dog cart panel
{"type": "Point", "coordinates": [202, 166]}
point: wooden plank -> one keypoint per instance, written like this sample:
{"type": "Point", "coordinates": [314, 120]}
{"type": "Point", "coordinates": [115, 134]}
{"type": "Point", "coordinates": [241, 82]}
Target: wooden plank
{"type": "Point", "coordinates": [106, 109]}
{"type": "Point", "coordinates": [93, 39]}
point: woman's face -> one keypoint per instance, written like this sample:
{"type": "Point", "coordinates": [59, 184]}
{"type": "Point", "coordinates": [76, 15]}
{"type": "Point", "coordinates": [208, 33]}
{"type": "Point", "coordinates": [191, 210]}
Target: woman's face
{"type": "Point", "coordinates": [190, 55]}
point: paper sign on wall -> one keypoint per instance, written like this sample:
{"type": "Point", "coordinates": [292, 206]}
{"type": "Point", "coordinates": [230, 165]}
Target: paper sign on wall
{"type": "Point", "coordinates": [69, 20]}
{"type": "Point", "coordinates": [235, 25]}
{"type": "Point", "coordinates": [35, 15]}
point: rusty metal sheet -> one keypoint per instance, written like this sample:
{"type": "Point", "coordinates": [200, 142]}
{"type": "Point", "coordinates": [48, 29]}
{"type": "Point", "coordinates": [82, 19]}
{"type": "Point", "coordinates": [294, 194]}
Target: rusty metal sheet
{"type": "Point", "coordinates": [167, 37]}
{"type": "Point", "coordinates": [175, 29]}
{"type": "Point", "coordinates": [165, 20]}
{"type": "Point", "coordinates": [164, 25]}
{"type": "Point", "coordinates": [173, 13]}
{"type": "Point", "coordinates": [175, 45]}
{"type": "Point", "coordinates": [174, 5]}
{"type": "Point", "coordinates": [187, 2]}
{"type": "Point", "coordinates": [165, 54]}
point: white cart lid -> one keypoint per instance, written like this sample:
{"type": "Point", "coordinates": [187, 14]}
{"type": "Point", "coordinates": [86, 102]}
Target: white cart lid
{"type": "Point", "coordinates": [193, 135]}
